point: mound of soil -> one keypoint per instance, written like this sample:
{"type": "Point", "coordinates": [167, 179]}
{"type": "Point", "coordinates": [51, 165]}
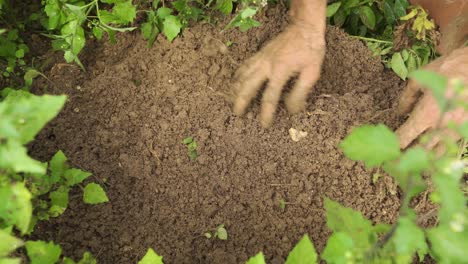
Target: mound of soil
{"type": "Point", "coordinates": [127, 116]}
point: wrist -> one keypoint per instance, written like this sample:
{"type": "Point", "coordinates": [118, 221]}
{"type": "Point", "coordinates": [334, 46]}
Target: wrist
{"type": "Point", "coordinates": [308, 11]}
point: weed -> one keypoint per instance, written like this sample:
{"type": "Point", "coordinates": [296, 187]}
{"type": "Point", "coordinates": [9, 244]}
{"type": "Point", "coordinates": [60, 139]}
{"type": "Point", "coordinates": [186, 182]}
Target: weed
{"type": "Point", "coordinates": [191, 147]}
{"type": "Point", "coordinates": [30, 190]}
{"type": "Point", "coordinates": [12, 52]}
{"type": "Point", "coordinates": [66, 19]}
{"type": "Point", "coordinates": [282, 204]}
{"type": "Point", "coordinates": [220, 232]}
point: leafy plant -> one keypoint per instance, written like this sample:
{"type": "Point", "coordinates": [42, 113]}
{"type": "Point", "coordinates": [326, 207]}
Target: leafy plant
{"type": "Point", "coordinates": [192, 146]}
{"type": "Point", "coordinates": [67, 18]}
{"type": "Point", "coordinates": [220, 233]}
{"type": "Point", "coordinates": [244, 20]}
{"type": "Point", "coordinates": [404, 41]}
{"type": "Point", "coordinates": [161, 21]}
{"type": "Point", "coordinates": [12, 52]}
{"type": "Point", "coordinates": [31, 190]}
{"type": "Point", "coordinates": [366, 17]}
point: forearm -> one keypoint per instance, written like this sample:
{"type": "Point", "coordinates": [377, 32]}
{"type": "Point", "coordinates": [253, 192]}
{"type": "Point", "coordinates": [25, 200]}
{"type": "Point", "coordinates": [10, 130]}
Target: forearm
{"type": "Point", "coordinates": [309, 13]}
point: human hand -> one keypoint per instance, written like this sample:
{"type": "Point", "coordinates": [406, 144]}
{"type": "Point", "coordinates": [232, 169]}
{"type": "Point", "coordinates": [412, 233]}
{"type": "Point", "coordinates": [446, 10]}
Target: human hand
{"type": "Point", "coordinates": [300, 49]}
{"type": "Point", "coordinates": [422, 106]}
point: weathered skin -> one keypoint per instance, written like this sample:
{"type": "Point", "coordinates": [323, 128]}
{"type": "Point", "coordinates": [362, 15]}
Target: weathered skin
{"type": "Point", "coordinates": [300, 50]}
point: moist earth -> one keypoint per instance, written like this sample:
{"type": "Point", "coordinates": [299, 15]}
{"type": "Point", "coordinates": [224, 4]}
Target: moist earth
{"type": "Point", "coordinates": [126, 118]}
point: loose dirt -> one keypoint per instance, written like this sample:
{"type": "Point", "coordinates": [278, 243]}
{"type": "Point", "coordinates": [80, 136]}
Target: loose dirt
{"type": "Point", "coordinates": [127, 116]}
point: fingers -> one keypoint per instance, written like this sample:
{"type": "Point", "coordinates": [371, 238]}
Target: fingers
{"type": "Point", "coordinates": [409, 97]}
{"type": "Point", "coordinates": [297, 99]}
{"type": "Point", "coordinates": [423, 117]}
{"type": "Point", "coordinates": [250, 78]}
{"type": "Point", "coordinates": [272, 95]}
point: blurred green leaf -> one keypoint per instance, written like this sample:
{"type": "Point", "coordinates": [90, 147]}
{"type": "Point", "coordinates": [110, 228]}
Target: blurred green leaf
{"type": "Point", "coordinates": [398, 65]}
{"type": "Point", "coordinates": [339, 248]}
{"type": "Point", "coordinates": [57, 166]}
{"type": "Point", "coordinates": [373, 144]}
{"type": "Point", "coordinates": [75, 176]}
{"type": "Point", "coordinates": [8, 243]}
{"type": "Point", "coordinates": [94, 194]}
{"type": "Point", "coordinates": [172, 27]}
{"type": "Point", "coordinates": [41, 252]}
{"type": "Point", "coordinates": [367, 16]}
{"type": "Point", "coordinates": [16, 208]}
{"type": "Point", "coordinates": [303, 252]}
{"type": "Point", "coordinates": [350, 222]}
{"type": "Point", "coordinates": [151, 258]}
{"type": "Point", "coordinates": [331, 9]}
{"type": "Point", "coordinates": [257, 259]}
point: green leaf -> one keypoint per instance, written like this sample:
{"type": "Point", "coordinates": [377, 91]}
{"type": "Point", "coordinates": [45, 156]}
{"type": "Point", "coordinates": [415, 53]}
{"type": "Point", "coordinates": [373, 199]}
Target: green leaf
{"type": "Point", "coordinates": [388, 13]}
{"type": "Point", "coordinates": [224, 6]}
{"type": "Point", "coordinates": [94, 194]}
{"type": "Point", "coordinates": [8, 243]}
{"type": "Point", "coordinates": [303, 252]}
{"type": "Point", "coordinates": [87, 259]}
{"type": "Point", "coordinates": [150, 32]}
{"type": "Point", "coordinates": [28, 114]}
{"type": "Point", "coordinates": [435, 82]}
{"type": "Point", "coordinates": [350, 222]}
{"type": "Point", "coordinates": [367, 16]}
{"type": "Point", "coordinates": [16, 208]}
{"type": "Point", "coordinates": [348, 4]}
{"type": "Point", "coordinates": [156, 3]}
{"type": "Point", "coordinates": [68, 261]}
{"type": "Point", "coordinates": [339, 249]}
{"type": "Point", "coordinates": [58, 201]}
{"type": "Point", "coordinates": [248, 23]}
{"type": "Point", "coordinates": [452, 198]}
{"type": "Point", "coordinates": [75, 176]}
{"type": "Point", "coordinates": [151, 258]}
{"type": "Point", "coordinates": [75, 37]}
{"type": "Point", "coordinates": [409, 238]}
{"type": "Point", "coordinates": [373, 144]}
{"type": "Point", "coordinates": [57, 166]}
{"type": "Point", "coordinates": [400, 8]}
{"type": "Point", "coordinates": [125, 11]}
{"type": "Point", "coordinates": [221, 233]}
{"type": "Point", "coordinates": [19, 53]}
{"type": "Point", "coordinates": [414, 160]}
{"type": "Point", "coordinates": [98, 32]}
{"type": "Point", "coordinates": [410, 167]}
{"type": "Point", "coordinates": [411, 63]}
{"type": "Point", "coordinates": [41, 252]}
{"type": "Point", "coordinates": [448, 246]}
{"type": "Point", "coordinates": [331, 9]}
{"type": "Point", "coordinates": [164, 12]}
{"type": "Point", "coordinates": [257, 259]}
{"type": "Point", "coordinates": [171, 27]}
{"type": "Point", "coordinates": [339, 18]}
{"type": "Point", "coordinates": [10, 261]}
{"type": "Point", "coordinates": [398, 65]}
{"type": "Point", "coordinates": [187, 140]}
{"type": "Point", "coordinates": [14, 156]}
{"type": "Point", "coordinates": [248, 12]}
{"type": "Point", "coordinates": [30, 75]}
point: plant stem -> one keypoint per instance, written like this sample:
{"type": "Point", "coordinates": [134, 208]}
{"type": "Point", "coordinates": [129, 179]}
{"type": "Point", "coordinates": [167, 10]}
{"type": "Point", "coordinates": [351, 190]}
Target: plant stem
{"type": "Point", "coordinates": [373, 40]}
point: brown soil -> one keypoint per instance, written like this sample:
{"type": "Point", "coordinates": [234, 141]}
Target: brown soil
{"type": "Point", "coordinates": [128, 114]}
